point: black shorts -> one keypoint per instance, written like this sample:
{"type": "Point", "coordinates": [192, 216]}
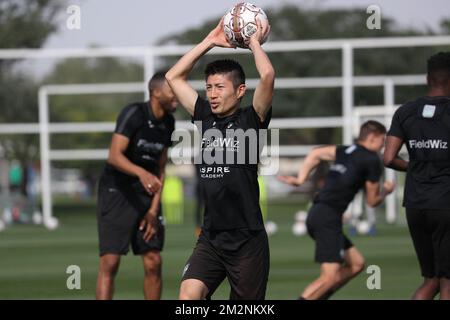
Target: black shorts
{"type": "Point", "coordinates": [324, 225]}
{"type": "Point", "coordinates": [246, 268]}
{"type": "Point", "coordinates": [430, 232]}
{"type": "Point", "coordinates": [119, 213]}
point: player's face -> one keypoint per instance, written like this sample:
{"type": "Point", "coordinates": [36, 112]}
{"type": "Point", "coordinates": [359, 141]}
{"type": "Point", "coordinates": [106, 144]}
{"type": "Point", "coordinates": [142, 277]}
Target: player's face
{"type": "Point", "coordinates": [378, 141]}
{"type": "Point", "coordinates": [167, 98]}
{"type": "Point", "coordinates": [223, 97]}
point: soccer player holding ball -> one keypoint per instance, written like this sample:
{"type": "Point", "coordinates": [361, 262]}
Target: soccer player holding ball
{"type": "Point", "coordinates": [233, 243]}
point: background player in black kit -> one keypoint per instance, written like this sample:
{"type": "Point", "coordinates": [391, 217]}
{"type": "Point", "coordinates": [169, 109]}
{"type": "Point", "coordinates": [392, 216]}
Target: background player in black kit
{"type": "Point", "coordinates": [233, 243]}
{"type": "Point", "coordinates": [130, 188]}
{"type": "Point", "coordinates": [424, 126]}
{"type": "Point", "coordinates": [356, 166]}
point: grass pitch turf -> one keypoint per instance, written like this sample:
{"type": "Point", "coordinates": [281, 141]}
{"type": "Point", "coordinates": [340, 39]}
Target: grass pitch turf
{"type": "Point", "coordinates": [33, 261]}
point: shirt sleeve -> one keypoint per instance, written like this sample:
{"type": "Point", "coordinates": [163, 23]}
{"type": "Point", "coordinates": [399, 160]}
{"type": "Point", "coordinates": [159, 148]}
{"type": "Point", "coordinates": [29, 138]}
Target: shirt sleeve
{"type": "Point", "coordinates": [254, 120]}
{"type": "Point", "coordinates": [128, 121]}
{"type": "Point", "coordinates": [374, 169]}
{"type": "Point", "coordinates": [396, 126]}
{"type": "Point", "coordinates": [340, 150]}
{"type": "Point", "coordinates": [202, 109]}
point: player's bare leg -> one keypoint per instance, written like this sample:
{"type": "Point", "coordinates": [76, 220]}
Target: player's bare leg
{"type": "Point", "coordinates": [353, 264]}
{"type": "Point", "coordinates": [152, 275]}
{"type": "Point", "coordinates": [428, 290]}
{"type": "Point", "coordinates": [193, 289]}
{"type": "Point", "coordinates": [329, 277]}
{"type": "Point", "coordinates": [444, 289]}
{"type": "Point", "coordinates": [109, 265]}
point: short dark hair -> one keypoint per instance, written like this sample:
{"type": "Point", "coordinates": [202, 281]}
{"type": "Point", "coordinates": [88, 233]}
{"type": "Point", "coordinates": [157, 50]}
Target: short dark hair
{"type": "Point", "coordinates": [369, 127]}
{"type": "Point", "coordinates": [157, 79]}
{"type": "Point", "coordinates": [438, 69]}
{"type": "Point", "coordinates": [226, 66]}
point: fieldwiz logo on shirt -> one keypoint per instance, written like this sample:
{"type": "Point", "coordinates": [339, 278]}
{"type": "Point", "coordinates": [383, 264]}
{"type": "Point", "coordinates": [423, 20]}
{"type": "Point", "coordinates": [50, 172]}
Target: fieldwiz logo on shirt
{"type": "Point", "coordinates": [231, 146]}
{"type": "Point", "coordinates": [428, 144]}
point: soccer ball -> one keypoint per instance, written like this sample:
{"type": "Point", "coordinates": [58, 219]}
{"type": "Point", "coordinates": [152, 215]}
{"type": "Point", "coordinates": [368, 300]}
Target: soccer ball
{"type": "Point", "coordinates": [271, 228]}
{"type": "Point", "coordinates": [37, 217]}
{"type": "Point", "coordinates": [299, 228]}
{"type": "Point", "coordinates": [363, 227]}
{"type": "Point", "coordinates": [51, 223]}
{"type": "Point", "coordinates": [239, 23]}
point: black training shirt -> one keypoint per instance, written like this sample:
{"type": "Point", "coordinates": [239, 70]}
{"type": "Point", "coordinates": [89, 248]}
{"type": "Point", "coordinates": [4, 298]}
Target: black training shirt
{"type": "Point", "coordinates": [147, 139]}
{"type": "Point", "coordinates": [424, 126]}
{"type": "Point", "coordinates": [228, 167]}
{"type": "Point", "coordinates": [354, 165]}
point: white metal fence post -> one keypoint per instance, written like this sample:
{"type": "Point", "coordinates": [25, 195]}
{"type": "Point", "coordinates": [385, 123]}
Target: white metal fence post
{"type": "Point", "coordinates": [389, 101]}
{"type": "Point", "coordinates": [149, 68]}
{"type": "Point", "coordinates": [347, 92]}
{"type": "Point", "coordinates": [48, 219]}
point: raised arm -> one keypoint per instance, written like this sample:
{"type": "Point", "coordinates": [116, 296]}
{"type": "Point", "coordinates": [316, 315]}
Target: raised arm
{"type": "Point", "coordinates": [178, 74]}
{"type": "Point", "coordinates": [312, 160]}
{"type": "Point", "coordinates": [262, 98]}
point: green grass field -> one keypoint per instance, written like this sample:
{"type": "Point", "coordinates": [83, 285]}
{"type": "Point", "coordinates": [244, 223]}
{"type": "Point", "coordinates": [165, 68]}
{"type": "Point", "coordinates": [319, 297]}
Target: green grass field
{"type": "Point", "coordinates": [33, 261]}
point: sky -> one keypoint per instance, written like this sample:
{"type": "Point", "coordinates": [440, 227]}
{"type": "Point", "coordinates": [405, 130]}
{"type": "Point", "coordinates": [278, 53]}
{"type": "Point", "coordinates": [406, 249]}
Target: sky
{"type": "Point", "coordinates": [143, 22]}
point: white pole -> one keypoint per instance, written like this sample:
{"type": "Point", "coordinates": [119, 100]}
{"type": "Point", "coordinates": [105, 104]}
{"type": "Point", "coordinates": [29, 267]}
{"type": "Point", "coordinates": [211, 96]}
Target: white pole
{"type": "Point", "coordinates": [347, 92]}
{"type": "Point", "coordinates": [273, 46]}
{"type": "Point", "coordinates": [48, 219]}
{"type": "Point", "coordinates": [149, 69]}
{"type": "Point", "coordinates": [389, 101]}
{"type": "Point", "coordinates": [347, 107]}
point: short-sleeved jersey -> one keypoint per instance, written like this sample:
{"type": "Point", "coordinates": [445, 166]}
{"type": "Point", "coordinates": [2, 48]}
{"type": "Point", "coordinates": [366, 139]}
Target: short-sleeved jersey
{"type": "Point", "coordinates": [424, 126]}
{"type": "Point", "coordinates": [228, 168]}
{"type": "Point", "coordinates": [354, 165]}
{"type": "Point", "coordinates": [147, 136]}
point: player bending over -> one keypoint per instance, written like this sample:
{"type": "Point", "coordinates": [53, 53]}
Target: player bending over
{"type": "Point", "coordinates": [354, 167]}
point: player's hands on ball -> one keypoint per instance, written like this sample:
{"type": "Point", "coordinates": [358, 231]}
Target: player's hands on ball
{"type": "Point", "coordinates": [261, 33]}
{"type": "Point", "coordinates": [218, 38]}
{"type": "Point", "coordinates": [148, 225]}
{"type": "Point", "coordinates": [150, 182]}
